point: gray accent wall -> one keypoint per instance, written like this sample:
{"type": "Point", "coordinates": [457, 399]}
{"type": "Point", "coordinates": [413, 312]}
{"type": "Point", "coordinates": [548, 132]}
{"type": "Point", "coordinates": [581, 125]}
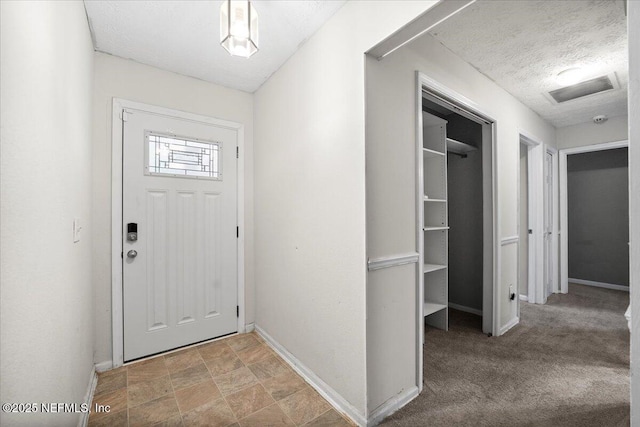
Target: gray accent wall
{"type": "Point", "coordinates": [598, 216]}
{"type": "Point", "coordinates": [464, 196]}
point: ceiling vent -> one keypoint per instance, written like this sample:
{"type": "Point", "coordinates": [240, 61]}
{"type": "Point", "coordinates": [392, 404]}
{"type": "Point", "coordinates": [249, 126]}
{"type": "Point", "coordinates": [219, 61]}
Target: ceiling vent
{"type": "Point", "coordinates": [586, 88]}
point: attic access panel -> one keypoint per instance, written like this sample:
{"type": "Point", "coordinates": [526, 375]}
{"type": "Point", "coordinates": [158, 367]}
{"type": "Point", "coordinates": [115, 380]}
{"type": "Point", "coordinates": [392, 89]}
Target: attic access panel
{"type": "Point", "coordinates": [586, 88]}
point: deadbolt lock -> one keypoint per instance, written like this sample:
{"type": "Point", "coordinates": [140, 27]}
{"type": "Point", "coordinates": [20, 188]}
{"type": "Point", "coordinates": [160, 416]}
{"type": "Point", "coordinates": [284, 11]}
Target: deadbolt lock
{"type": "Point", "coordinates": [132, 232]}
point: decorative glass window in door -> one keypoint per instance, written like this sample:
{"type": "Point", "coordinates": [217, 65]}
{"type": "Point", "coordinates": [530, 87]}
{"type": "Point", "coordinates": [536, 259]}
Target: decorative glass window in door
{"type": "Point", "coordinates": [182, 157]}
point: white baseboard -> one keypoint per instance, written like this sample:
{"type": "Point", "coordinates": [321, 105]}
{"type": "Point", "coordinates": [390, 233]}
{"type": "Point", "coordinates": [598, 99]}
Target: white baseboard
{"type": "Point", "coordinates": [392, 405]}
{"type": "Point", "coordinates": [104, 366]}
{"type": "Point", "coordinates": [599, 284]}
{"type": "Point", "coordinates": [524, 298]}
{"type": "Point", "coordinates": [465, 309]}
{"type": "Point", "coordinates": [88, 397]}
{"type": "Point", "coordinates": [250, 327]}
{"type": "Point", "coordinates": [513, 322]}
{"type": "Point", "coordinates": [328, 393]}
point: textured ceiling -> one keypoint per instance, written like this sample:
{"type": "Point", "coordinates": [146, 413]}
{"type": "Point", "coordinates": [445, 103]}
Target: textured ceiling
{"type": "Point", "coordinates": [184, 36]}
{"type": "Point", "coordinates": [523, 45]}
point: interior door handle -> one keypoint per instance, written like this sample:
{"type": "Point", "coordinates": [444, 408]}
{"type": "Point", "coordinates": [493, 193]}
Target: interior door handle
{"type": "Point", "coordinates": [132, 254]}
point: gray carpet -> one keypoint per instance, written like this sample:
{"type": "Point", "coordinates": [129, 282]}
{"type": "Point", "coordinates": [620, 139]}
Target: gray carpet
{"type": "Point", "coordinates": [565, 364]}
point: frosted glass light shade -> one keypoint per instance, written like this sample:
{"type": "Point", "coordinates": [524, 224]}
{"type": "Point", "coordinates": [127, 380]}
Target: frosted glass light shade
{"type": "Point", "coordinates": [570, 76]}
{"type": "Point", "coordinates": [239, 28]}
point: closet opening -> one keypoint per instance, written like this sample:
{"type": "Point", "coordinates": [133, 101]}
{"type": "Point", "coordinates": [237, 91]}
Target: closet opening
{"type": "Point", "coordinates": [458, 213]}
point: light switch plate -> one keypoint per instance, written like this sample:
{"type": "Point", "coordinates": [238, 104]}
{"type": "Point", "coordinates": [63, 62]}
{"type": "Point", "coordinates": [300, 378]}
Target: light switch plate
{"type": "Point", "coordinates": [76, 230]}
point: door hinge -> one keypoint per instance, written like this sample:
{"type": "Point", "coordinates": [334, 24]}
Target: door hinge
{"type": "Point", "coordinates": [237, 232]}
{"type": "Point", "coordinates": [237, 311]}
{"type": "Point", "coordinates": [121, 254]}
{"type": "Point", "coordinates": [237, 152]}
{"type": "Point", "coordinates": [124, 115]}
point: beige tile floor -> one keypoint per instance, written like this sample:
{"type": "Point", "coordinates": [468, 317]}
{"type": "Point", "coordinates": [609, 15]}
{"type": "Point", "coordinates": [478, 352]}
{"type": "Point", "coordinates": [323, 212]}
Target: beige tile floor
{"type": "Point", "coordinates": [236, 381]}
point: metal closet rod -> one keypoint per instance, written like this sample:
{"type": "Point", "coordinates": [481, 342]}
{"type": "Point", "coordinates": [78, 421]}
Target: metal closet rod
{"type": "Point", "coordinates": [452, 105]}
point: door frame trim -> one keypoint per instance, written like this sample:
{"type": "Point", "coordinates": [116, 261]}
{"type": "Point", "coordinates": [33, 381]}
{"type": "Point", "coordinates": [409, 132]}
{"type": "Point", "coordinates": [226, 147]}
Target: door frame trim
{"type": "Point", "coordinates": [491, 246]}
{"type": "Point", "coordinates": [536, 148]}
{"type": "Point", "coordinates": [555, 230]}
{"type": "Point", "coordinates": [564, 211]}
{"type": "Point", "coordinates": [117, 313]}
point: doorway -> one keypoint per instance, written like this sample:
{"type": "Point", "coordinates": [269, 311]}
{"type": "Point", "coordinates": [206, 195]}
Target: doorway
{"type": "Point", "coordinates": [444, 114]}
{"type": "Point", "coordinates": [537, 229]}
{"type": "Point", "coordinates": [524, 228]}
{"type": "Point", "coordinates": [177, 266]}
{"type": "Point", "coordinates": [550, 222]}
{"type": "Point", "coordinates": [594, 264]}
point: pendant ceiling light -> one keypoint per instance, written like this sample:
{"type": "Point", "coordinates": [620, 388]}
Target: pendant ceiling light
{"type": "Point", "coordinates": [239, 28]}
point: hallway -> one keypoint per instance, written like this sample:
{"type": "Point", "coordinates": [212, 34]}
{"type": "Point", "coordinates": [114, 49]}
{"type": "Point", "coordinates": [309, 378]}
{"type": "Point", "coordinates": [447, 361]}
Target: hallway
{"type": "Point", "coordinates": [565, 364]}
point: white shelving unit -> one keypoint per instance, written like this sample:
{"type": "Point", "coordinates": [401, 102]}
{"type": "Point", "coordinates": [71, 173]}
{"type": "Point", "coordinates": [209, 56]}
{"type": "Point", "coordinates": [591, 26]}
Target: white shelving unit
{"type": "Point", "coordinates": [431, 308]}
{"type": "Point", "coordinates": [428, 268]}
{"type": "Point", "coordinates": [459, 147]}
{"type": "Point", "coordinates": [434, 221]}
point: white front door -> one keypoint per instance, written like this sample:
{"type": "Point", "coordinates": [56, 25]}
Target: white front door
{"type": "Point", "coordinates": [548, 224]}
{"type": "Point", "coordinates": [179, 232]}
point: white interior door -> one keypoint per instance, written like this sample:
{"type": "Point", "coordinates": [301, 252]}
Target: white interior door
{"type": "Point", "coordinates": [180, 269]}
{"type": "Point", "coordinates": [548, 223]}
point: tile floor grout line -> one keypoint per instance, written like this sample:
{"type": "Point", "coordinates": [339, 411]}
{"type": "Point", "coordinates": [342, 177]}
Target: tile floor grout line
{"type": "Point", "coordinates": [173, 389]}
{"type": "Point", "coordinates": [203, 361]}
{"type": "Point", "coordinates": [268, 394]}
{"type": "Point", "coordinates": [286, 397]}
{"type": "Point", "coordinates": [261, 382]}
{"type": "Point", "coordinates": [225, 397]}
{"type": "Point", "coordinates": [127, 392]}
{"type": "Point", "coordinates": [221, 394]}
{"type": "Point", "coordinates": [310, 421]}
{"type": "Point", "coordinates": [164, 361]}
{"type": "Point", "coordinates": [244, 365]}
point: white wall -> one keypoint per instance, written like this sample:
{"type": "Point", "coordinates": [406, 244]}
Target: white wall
{"type": "Point", "coordinates": [391, 191]}
{"type": "Point", "coordinates": [634, 201]}
{"type": "Point", "coordinates": [310, 197]}
{"type": "Point", "coordinates": [46, 294]}
{"type": "Point", "coordinates": [122, 78]}
{"type": "Point", "coordinates": [589, 133]}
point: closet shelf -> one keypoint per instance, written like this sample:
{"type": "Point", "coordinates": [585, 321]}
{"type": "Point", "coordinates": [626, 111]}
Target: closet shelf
{"type": "Point", "coordinates": [431, 153]}
{"type": "Point", "coordinates": [430, 308]}
{"type": "Point", "coordinates": [428, 268]}
{"type": "Point", "coordinates": [435, 228]}
{"type": "Point", "coordinates": [427, 199]}
{"type": "Point", "coordinates": [459, 147]}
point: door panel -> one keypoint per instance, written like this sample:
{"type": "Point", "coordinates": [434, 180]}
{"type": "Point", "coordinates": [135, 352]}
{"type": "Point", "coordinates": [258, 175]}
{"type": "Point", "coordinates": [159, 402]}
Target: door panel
{"type": "Point", "coordinates": [179, 187]}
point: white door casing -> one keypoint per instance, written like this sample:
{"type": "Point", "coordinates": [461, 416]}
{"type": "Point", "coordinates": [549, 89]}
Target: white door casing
{"type": "Point", "coordinates": [182, 287]}
{"type": "Point", "coordinates": [536, 216]}
{"type": "Point", "coordinates": [491, 214]}
{"type": "Point", "coordinates": [548, 224]}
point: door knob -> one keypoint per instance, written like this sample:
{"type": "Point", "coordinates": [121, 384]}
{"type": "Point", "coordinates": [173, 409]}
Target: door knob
{"type": "Point", "coordinates": [132, 254]}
